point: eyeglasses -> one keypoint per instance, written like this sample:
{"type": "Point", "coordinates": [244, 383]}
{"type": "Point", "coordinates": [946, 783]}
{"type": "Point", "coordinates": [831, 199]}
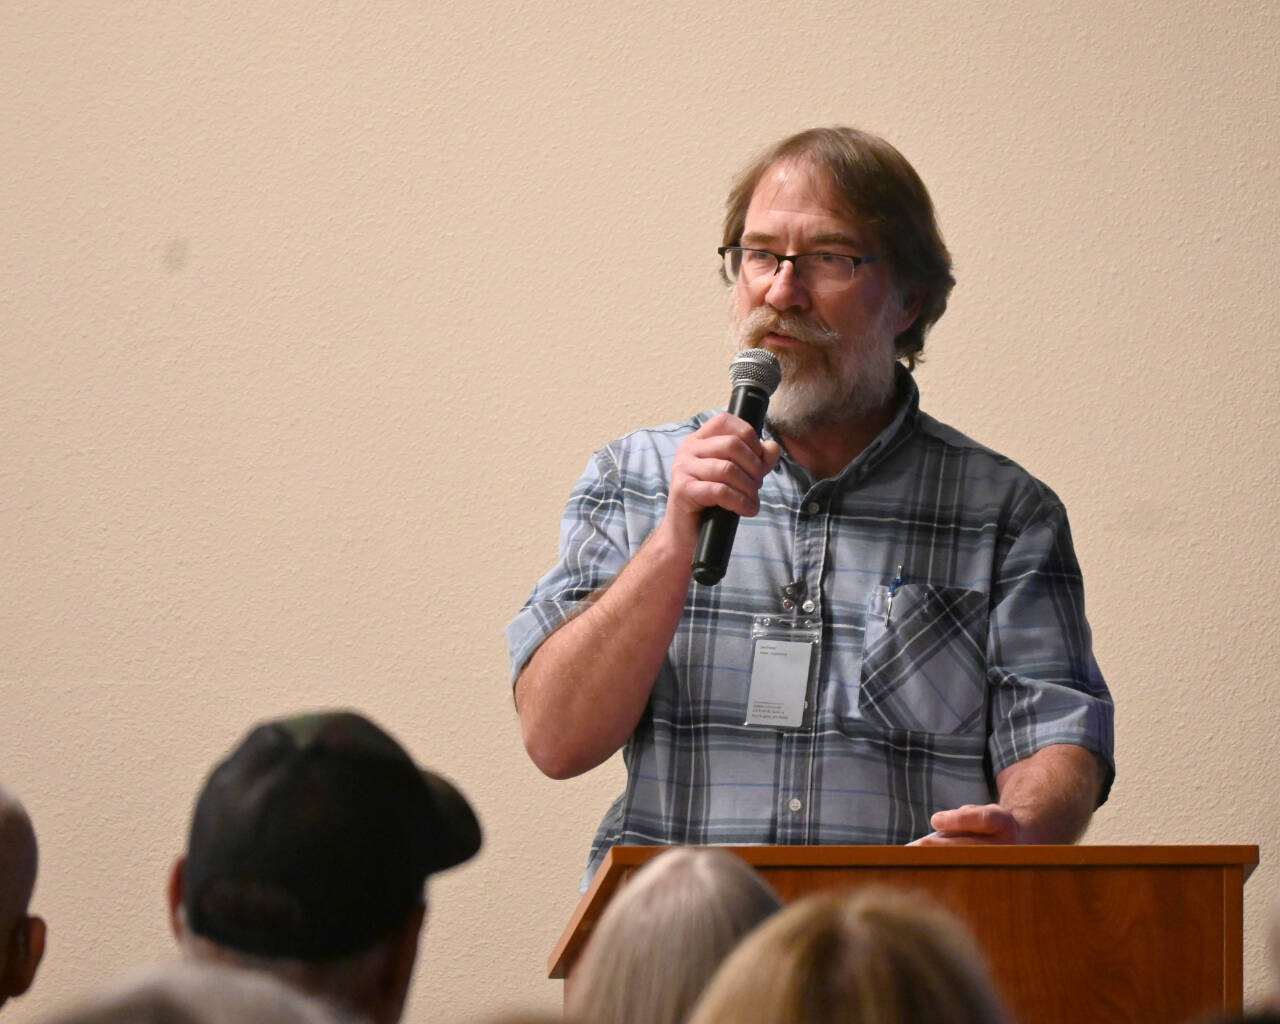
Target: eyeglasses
{"type": "Point", "coordinates": [818, 271]}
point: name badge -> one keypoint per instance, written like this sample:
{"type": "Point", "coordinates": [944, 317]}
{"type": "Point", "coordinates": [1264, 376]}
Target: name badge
{"type": "Point", "coordinates": [782, 667]}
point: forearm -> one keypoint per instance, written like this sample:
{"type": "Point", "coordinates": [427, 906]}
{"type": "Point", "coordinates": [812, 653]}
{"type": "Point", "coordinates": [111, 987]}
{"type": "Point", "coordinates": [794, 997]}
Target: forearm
{"type": "Point", "coordinates": [581, 694]}
{"type": "Point", "coordinates": [1052, 793]}
{"type": "Point", "coordinates": [1047, 797]}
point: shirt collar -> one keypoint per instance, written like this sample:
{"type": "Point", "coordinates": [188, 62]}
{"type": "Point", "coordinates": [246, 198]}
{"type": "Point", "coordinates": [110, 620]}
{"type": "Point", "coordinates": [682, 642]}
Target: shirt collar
{"type": "Point", "coordinates": [900, 427]}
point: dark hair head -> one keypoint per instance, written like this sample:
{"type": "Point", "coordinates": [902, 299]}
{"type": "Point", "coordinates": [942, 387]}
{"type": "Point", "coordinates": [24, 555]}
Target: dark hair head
{"type": "Point", "coordinates": [314, 837]}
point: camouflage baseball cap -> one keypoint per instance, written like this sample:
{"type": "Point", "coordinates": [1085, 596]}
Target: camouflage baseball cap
{"type": "Point", "coordinates": [314, 838]}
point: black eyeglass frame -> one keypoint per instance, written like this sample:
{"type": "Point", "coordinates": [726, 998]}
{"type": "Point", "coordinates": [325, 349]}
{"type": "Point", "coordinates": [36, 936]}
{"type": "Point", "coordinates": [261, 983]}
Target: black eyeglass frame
{"type": "Point", "coordinates": [779, 259]}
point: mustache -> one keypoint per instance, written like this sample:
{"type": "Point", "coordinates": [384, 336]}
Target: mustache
{"type": "Point", "coordinates": [765, 320]}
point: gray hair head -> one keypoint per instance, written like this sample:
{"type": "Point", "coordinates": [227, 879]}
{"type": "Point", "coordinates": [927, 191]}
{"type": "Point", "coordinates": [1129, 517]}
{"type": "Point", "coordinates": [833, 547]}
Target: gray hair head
{"type": "Point", "coordinates": [197, 993]}
{"type": "Point", "coordinates": [663, 936]}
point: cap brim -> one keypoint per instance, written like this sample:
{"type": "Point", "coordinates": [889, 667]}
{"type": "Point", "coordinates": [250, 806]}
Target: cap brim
{"type": "Point", "coordinates": [458, 837]}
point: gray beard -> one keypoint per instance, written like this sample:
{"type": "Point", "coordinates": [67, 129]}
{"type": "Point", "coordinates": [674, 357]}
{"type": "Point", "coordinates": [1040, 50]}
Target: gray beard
{"type": "Point", "coordinates": [810, 398]}
{"type": "Point", "coordinates": [810, 401]}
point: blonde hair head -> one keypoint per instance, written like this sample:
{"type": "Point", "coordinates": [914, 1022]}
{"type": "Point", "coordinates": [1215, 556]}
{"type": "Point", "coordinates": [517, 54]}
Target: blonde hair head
{"type": "Point", "coordinates": [876, 956]}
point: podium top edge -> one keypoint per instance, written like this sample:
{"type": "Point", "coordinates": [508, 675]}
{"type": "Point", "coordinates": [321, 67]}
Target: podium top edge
{"type": "Point", "coordinates": [967, 856]}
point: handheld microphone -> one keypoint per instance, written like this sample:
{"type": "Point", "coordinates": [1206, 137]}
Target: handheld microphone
{"type": "Point", "coordinates": [755, 374]}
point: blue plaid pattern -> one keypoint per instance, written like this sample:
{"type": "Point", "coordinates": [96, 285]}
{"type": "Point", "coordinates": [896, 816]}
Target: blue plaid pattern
{"type": "Point", "coordinates": [987, 656]}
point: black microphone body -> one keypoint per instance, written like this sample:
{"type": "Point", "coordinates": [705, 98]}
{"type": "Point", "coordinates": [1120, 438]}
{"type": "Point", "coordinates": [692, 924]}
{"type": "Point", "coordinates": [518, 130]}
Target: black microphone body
{"type": "Point", "coordinates": [750, 402]}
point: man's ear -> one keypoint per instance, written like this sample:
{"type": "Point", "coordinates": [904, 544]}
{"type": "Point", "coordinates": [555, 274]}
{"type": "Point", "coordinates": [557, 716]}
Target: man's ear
{"type": "Point", "coordinates": [25, 953]}
{"type": "Point", "coordinates": [912, 301]}
{"type": "Point", "coordinates": [176, 889]}
{"type": "Point", "coordinates": [407, 947]}
{"type": "Point", "coordinates": [399, 967]}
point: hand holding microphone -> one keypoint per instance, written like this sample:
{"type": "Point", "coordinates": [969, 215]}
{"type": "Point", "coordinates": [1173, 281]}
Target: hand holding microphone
{"type": "Point", "coordinates": [755, 374]}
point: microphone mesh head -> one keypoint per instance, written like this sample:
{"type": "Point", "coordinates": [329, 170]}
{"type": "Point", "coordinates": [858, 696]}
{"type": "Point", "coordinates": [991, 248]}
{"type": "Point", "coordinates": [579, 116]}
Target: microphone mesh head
{"type": "Point", "coordinates": [757, 367]}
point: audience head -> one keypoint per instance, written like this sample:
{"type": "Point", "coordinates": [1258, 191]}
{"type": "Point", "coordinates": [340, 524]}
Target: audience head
{"type": "Point", "coordinates": [875, 956]}
{"type": "Point", "coordinates": [1273, 948]}
{"type": "Point", "coordinates": [663, 936]}
{"type": "Point", "coordinates": [531, 1017]}
{"type": "Point", "coordinates": [21, 935]}
{"type": "Point", "coordinates": [191, 993]}
{"type": "Point", "coordinates": [308, 856]}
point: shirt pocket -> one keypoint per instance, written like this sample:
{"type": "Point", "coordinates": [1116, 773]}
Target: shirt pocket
{"type": "Point", "coordinates": [926, 670]}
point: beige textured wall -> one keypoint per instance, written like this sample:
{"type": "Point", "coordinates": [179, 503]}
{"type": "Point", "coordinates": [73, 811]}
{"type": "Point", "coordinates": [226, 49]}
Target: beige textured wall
{"type": "Point", "coordinates": [312, 313]}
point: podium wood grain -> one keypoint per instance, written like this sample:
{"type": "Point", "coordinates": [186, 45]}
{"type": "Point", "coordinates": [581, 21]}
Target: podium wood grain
{"type": "Point", "coordinates": [1099, 933]}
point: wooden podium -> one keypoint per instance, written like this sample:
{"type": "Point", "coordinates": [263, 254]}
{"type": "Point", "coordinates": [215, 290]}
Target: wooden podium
{"type": "Point", "coordinates": [1073, 933]}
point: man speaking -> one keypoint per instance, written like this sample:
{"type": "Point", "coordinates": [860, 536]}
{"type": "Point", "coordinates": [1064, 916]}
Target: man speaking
{"type": "Point", "coordinates": [898, 649]}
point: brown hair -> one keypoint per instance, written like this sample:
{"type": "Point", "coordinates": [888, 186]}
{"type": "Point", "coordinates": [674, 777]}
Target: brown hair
{"type": "Point", "coordinates": [883, 192]}
{"type": "Point", "coordinates": [877, 956]}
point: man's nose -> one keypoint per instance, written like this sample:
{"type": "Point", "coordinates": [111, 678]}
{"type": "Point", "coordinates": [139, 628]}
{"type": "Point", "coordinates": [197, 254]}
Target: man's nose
{"type": "Point", "coordinates": [786, 290]}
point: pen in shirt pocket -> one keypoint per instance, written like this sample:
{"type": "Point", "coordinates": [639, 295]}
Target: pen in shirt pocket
{"type": "Point", "coordinates": [894, 584]}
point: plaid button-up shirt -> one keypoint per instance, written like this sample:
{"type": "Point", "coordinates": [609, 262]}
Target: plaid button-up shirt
{"type": "Point", "coordinates": [988, 656]}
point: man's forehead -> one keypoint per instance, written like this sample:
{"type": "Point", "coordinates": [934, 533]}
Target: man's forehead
{"type": "Point", "coordinates": [798, 188]}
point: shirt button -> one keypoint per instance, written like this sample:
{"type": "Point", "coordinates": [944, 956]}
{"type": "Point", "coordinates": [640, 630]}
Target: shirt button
{"type": "Point", "coordinates": [808, 606]}
{"type": "Point", "coordinates": [813, 508]}
{"type": "Point", "coordinates": [795, 804]}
